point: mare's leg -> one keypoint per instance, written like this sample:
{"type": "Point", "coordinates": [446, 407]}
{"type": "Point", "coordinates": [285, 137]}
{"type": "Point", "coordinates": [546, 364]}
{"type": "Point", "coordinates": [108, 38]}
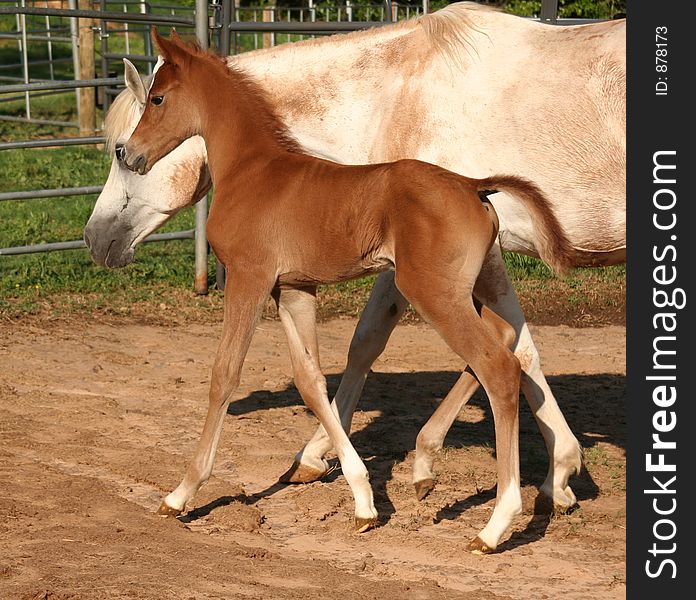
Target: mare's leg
{"type": "Point", "coordinates": [296, 309]}
{"type": "Point", "coordinates": [377, 322]}
{"type": "Point", "coordinates": [383, 311]}
{"type": "Point", "coordinates": [495, 290]}
{"type": "Point", "coordinates": [454, 316]}
{"type": "Point", "coordinates": [244, 301]}
{"type": "Point", "coordinates": [432, 436]}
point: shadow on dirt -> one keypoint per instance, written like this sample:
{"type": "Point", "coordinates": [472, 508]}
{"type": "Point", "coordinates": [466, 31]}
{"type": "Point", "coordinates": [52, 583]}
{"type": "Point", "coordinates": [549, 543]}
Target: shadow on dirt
{"type": "Point", "coordinates": [594, 406]}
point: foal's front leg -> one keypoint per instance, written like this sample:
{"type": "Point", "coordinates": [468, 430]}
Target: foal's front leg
{"type": "Point", "coordinates": [383, 311]}
{"type": "Point", "coordinates": [245, 298]}
{"type": "Point", "coordinates": [297, 311]}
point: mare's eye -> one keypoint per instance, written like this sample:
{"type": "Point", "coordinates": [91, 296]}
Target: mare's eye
{"type": "Point", "coordinates": [157, 100]}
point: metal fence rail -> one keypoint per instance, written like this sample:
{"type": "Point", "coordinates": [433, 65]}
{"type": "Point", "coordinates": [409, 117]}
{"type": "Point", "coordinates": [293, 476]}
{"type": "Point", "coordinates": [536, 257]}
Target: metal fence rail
{"type": "Point", "coordinates": [52, 193]}
{"type": "Point", "coordinates": [189, 234]}
{"type": "Point", "coordinates": [149, 18]}
{"type": "Point", "coordinates": [67, 84]}
{"type": "Point", "coordinates": [54, 143]}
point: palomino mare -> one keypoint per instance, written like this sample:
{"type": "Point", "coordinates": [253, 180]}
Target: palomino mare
{"type": "Point", "coordinates": [468, 88]}
{"type": "Point", "coordinates": [283, 222]}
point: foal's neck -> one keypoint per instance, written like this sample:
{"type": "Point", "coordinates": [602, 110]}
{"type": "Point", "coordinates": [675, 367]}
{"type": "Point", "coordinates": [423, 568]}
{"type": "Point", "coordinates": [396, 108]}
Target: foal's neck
{"type": "Point", "coordinates": [238, 123]}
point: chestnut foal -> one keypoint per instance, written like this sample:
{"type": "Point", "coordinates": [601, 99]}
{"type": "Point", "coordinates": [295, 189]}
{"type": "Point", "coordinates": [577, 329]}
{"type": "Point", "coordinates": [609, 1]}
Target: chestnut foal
{"type": "Point", "coordinates": [283, 222]}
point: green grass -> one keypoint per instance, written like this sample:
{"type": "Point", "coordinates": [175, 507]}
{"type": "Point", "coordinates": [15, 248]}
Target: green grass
{"type": "Point", "coordinates": [24, 279]}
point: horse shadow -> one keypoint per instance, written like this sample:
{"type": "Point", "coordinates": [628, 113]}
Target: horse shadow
{"type": "Point", "coordinates": [593, 405]}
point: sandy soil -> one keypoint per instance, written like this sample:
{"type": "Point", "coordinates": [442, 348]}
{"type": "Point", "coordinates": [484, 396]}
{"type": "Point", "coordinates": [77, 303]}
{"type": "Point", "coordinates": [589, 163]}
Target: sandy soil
{"type": "Point", "coordinates": [98, 420]}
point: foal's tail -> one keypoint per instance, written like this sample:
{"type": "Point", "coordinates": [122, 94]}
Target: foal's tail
{"type": "Point", "coordinates": [552, 242]}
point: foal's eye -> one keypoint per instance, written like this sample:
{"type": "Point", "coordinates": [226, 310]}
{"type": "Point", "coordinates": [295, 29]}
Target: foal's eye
{"type": "Point", "coordinates": [157, 100]}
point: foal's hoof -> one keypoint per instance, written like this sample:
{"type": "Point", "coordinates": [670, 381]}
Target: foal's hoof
{"type": "Point", "coordinates": [424, 487]}
{"type": "Point", "coordinates": [167, 511]}
{"type": "Point", "coordinates": [299, 473]}
{"type": "Point", "coordinates": [362, 525]}
{"type": "Point", "coordinates": [477, 546]}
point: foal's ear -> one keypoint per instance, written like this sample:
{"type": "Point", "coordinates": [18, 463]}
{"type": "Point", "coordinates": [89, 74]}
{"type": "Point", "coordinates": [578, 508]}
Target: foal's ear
{"type": "Point", "coordinates": [170, 51]}
{"type": "Point", "coordinates": [174, 36]}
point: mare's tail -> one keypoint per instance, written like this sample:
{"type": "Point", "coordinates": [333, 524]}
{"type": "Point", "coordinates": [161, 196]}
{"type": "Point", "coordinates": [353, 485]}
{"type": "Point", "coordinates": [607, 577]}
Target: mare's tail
{"type": "Point", "coordinates": [552, 242]}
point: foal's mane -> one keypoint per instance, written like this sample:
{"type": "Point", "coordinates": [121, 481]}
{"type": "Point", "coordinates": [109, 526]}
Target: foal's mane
{"type": "Point", "coordinates": [264, 113]}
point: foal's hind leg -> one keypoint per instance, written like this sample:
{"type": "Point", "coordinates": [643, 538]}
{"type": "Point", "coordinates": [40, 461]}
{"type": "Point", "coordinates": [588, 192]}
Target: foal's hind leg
{"type": "Point", "coordinates": [495, 290]}
{"type": "Point", "coordinates": [432, 436]}
{"type": "Point", "coordinates": [383, 311]}
{"type": "Point", "coordinates": [498, 370]}
{"type": "Point", "coordinates": [296, 309]}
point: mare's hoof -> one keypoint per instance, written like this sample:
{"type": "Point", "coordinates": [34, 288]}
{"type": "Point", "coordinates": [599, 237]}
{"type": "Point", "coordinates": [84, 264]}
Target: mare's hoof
{"type": "Point", "coordinates": [424, 487]}
{"type": "Point", "coordinates": [477, 546]}
{"type": "Point", "coordinates": [544, 505]}
{"type": "Point", "coordinates": [299, 473]}
{"type": "Point", "coordinates": [561, 509]}
{"type": "Point", "coordinates": [167, 511]}
{"type": "Point", "coordinates": [362, 525]}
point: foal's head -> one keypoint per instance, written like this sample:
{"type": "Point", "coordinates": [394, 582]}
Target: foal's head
{"type": "Point", "coordinates": [170, 114]}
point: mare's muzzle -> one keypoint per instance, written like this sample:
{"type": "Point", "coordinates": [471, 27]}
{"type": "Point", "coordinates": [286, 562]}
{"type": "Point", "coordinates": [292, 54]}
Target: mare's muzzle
{"type": "Point", "coordinates": [110, 246]}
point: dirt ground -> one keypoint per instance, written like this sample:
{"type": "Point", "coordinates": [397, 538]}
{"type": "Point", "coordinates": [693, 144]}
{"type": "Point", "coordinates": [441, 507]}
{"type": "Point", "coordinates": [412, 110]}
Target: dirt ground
{"type": "Point", "coordinates": [98, 420]}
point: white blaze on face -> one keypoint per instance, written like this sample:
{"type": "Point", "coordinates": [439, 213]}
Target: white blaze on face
{"type": "Point", "coordinates": [158, 64]}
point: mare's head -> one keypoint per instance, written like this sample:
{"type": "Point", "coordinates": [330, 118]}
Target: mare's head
{"type": "Point", "coordinates": [132, 206]}
{"type": "Point", "coordinates": [170, 114]}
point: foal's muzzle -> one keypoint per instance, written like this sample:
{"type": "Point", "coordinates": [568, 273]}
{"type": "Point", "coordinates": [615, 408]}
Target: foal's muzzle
{"type": "Point", "coordinates": [137, 164]}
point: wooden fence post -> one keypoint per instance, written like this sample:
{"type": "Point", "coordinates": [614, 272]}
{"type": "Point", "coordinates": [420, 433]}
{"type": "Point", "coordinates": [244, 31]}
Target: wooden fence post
{"type": "Point", "coordinates": [87, 111]}
{"type": "Point", "coordinates": [268, 17]}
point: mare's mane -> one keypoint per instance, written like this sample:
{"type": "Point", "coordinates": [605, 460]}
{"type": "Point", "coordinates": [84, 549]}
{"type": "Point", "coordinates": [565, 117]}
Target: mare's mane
{"type": "Point", "coordinates": [122, 114]}
{"type": "Point", "coordinates": [449, 30]}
